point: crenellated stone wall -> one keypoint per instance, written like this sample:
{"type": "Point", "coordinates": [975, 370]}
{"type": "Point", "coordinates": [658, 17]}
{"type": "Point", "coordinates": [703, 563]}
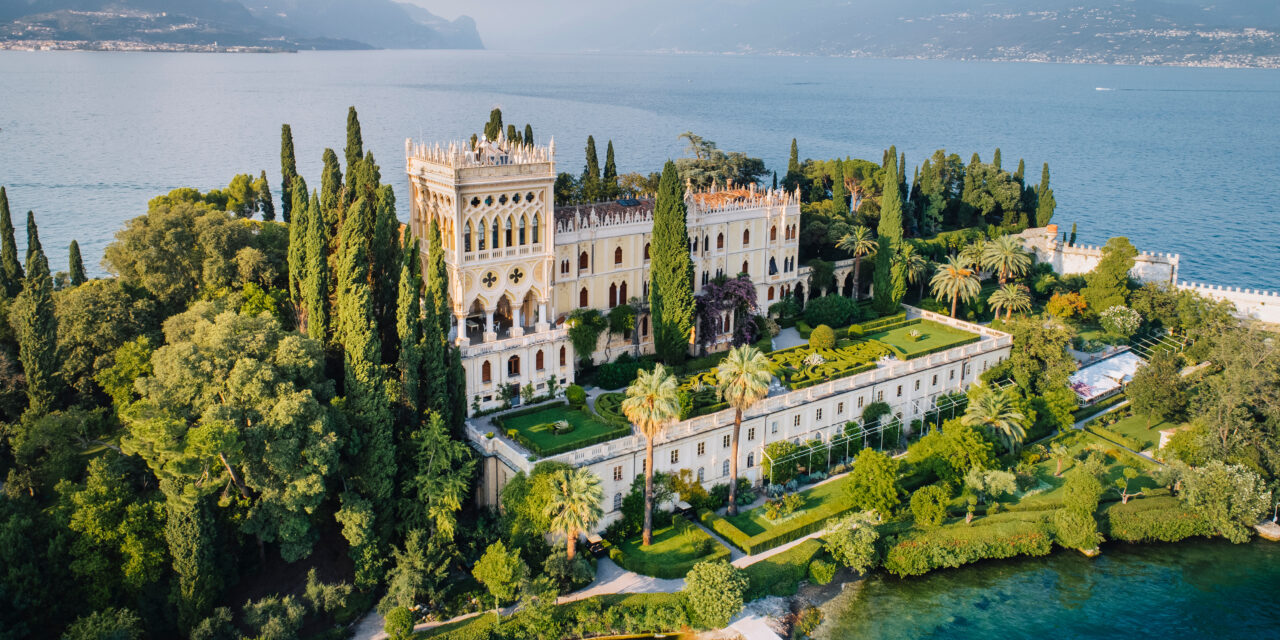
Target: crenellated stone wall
{"type": "Point", "coordinates": [1250, 303]}
{"type": "Point", "coordinates": [1067, 259]}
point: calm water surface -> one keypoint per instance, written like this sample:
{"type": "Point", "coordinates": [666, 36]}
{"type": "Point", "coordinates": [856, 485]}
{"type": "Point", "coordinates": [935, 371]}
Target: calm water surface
{"type": "Point", "coordinates": [1171, 592]}
{"type": "Point", "coordinates": [1181, 160]}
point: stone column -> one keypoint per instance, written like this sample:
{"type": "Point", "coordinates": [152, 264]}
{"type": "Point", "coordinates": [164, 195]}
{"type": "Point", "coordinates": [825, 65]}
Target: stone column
{"type": "Point", "coordinates": [542, 324]}
{"type": "Point", "coordinates": [517, 321]}
{"type": "Point", "coordinates": [490, 333]}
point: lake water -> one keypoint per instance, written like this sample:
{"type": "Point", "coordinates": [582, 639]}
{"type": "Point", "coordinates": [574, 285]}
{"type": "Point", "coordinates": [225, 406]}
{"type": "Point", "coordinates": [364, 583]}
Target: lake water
{"type": "Point", "coordinates": [1179, 160]}
{"type": "Point", "coordinates": [1179, 591]}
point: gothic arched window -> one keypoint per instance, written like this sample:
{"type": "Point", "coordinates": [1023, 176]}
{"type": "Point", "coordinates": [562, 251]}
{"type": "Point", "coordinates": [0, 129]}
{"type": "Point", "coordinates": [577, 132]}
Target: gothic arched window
{"type": "Point", "coordinates": [617, 255]}
{"type": "Point", "coordinates": [746, 237]}
{"type": "Point", "coordinates": [720, 241]}
{"type": "Point", "coordinates": [521, 232]}
{"type": "Point", "coordinates": [538, 361]}
{"type": "Point", "coordinates": [613, 295]}
{"type": "Point", "coordinates": [583, 261]}
{"type": "Point", "coordinates": [486, 372]}
{"type": "Point", "coordinates": [537, 223]}
{"type": "Point", "coordinates": [773, 233]}
{"type": "Point", "coordinates": [507, 238]}
{"type": "Point", "coordinates": [495, 233]}
{"type": "Point", "coordinates": [582, 298]}
{"type": "Point", "coordinates": [646, 248]}
{"type": "Point", "coordinates": [481, 239]}
{"type": "Point", "coordinates": [466, 237]}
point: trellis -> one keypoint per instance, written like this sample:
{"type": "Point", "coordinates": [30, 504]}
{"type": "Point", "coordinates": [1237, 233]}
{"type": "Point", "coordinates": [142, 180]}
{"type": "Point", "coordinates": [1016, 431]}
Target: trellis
{"type": "Point", "coordinates": [1149, 344]}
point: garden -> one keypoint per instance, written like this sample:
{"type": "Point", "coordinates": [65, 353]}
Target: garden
{"type": "Point", "coordinates": [547, 430]}
{"type": "Point", "coordinates": [673, 551]}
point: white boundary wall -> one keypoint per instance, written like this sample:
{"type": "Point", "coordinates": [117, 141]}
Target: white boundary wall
{"type": "Point", "coordinates": [1249, 303]}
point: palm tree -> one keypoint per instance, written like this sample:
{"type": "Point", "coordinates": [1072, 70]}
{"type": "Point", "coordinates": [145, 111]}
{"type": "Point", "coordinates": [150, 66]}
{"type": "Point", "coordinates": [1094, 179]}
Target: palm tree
{"type": "Point", "coordinates": [1005, 256]}
{"type": "Point", "coordinates": [971, 254]}
{"type": "Point", "coordinates": [651, 405]}
{"type": "Point", "coordinates": [574, 505]}
{"type": "Point", "coordinates": [994, 410]}
{"type": "Point", "coordinates": [916, 265]}
{"type": "Point", "coordinates": [742, 379]}
{"type": "Point", "coordinates": [861, 244]}
{"type": "Point", "coordinates": [955, 280]}
{"type": "Point", "coordinates": [1010, 298]}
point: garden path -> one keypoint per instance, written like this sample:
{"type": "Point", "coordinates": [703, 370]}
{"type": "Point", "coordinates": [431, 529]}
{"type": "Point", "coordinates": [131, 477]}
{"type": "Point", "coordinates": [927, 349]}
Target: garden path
{"type": "Point", "coordinates": [1081, 423]}
{"type": "Point", "coordinates": [754, 627]}
{"type": "Point", "coordinates": [610, 578]}
{"type": "Point", "coordinates": [788, 338]}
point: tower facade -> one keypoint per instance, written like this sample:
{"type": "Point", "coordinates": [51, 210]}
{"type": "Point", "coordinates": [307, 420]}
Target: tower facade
{"type": "Point", "coordinates": [494, 207]}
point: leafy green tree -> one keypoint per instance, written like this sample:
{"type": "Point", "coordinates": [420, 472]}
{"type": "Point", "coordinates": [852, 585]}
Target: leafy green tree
{"type": "Point", "coordinates": [1107, 285]}
{"type": "Point", "coordinates": [501, 572]}
{"type": "Point", "coordinates": [288, 173]}
{"type": "Point", "coordinates": [994, 409]}
{"type": "Point", "coordinates": [331, 192]}
{"type": "Point", "coordinates": [354, 150]}
{"type": "Point", "coordinates": [314, 289]}
{"type": "Point", "coordinates": [1157, 389]}
{"type": "Point", "coordinates": [929, 505]}
{"type": "Point", "coordinates": [1045, 203]}
{"type": "Point", "coordinates": [132, 360]}
{"type": "Point", "coordinates": [952, 451]}
{"type": "Point", "coordinates": [742, 380]}
{"type": "Point", "coordinates": [956, 281]}
{"type": "Point", "coordinates": [574, 505]}
{"type": "Point", "coordinates": [851, 540]}
{"type": "Point", "coordinates": [873, 483]}
{"type": "Point", "coordinates": [234, 401]}
{"type": "Point", "coordinates": [107, 624]}
{"type": "Point", "coordinates": [418, 572]}
{"type": "Point", "coordinates": [1075, 525]}
{"type": "Point", "coordinates": [990, 484]}
{"type": "Point", "coordinates": [585, 327]}
{"type": "Point", "coordinates": [262, 194]}
{"type": "Point", "coordinates": [1229, 497]}
{"type": "Point", "coordinates": [438, 479]}
{"type": "Point", "coordinates": [35, 326]}
{"type": "Point", "coordinates": [399, 624]}
{"type": "Point", "coordinates": [1039, 361]}
{"type": "Point", "coordinates": [94, 320]}
{"type": "Point", "coordinates": [217, 626]}
{"type": "Point", "coordinates": [860, 244]}
{"type": "Point", "coordinates": [275, 617]}
{"type": "Point", "coordinates": [494, 126]}
{"type": "Point", "coordinates": [716, 592]}
{"type": "Point", "coordinates": [242, 197]}
{"type": "Point", "coordinates": [652, 404]}
{"type": "Point", "coordinates": [76, 266]}
{"type": "Point", "coordinates": [10, 269]}
{"type": "Point", "coordinates": [671, 301]}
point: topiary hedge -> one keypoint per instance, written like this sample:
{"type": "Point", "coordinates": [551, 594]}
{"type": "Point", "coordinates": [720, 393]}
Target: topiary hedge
{"type": "Point", "coordinates": [609, 409]}
{"type": "Point", "coordinates": [797, 527]}
{"type": "Point", "coordinates": [782, 573]}
{"type": "Point", "coordinates": [822, 337]}
{"type": "Point", "coordinates": [960, 544]}
{"type": "Point", "coordinates": [1163, 519]}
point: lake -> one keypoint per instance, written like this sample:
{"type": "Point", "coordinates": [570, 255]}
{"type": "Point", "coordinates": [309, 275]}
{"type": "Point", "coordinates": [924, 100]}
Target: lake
{"type": "Point", "coordinates": [1183, 591]}
{"type": "Point", "coordinates": [1179, 160]}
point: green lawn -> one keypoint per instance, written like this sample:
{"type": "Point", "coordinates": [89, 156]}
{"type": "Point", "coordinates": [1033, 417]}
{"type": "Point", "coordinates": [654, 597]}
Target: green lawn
{"type": "Point", "coordinates": [674, 550]}
{"type": "Point", "coordinates": [1136, 427]}
{"type": "Point", "coordinates": [536, 430]}
{"type": "Point", "coordinates": [753, 522]}
{"type": "Point", "coordinates": [934, 336]}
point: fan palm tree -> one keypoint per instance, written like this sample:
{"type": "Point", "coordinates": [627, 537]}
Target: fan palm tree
{"type": "Point", "coordinates": [915, 265]}
{"type": "Point", "coordinates": [1010, 298]}
{"type": "Point", "coordinates": [651, 406]}
{"type": "Point", "coordinates": [994, 410]}
{"type": "Point", "coordinates": [742, 379]}
{"type": "Point", "coordinates": [1006, 257]}
{"type": "Point", "coordinates": [574, 505]}
{"type": "Point", "coordinates": [861, 244]}
{"type": "Point", "coordinates": [956, 281]}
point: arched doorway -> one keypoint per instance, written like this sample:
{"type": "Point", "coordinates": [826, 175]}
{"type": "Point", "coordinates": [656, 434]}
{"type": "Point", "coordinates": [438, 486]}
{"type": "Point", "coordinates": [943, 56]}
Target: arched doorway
{"type": "Point", "coordinates": [475, 328]}
{"type": "Point", "coordinates": [502, 318]}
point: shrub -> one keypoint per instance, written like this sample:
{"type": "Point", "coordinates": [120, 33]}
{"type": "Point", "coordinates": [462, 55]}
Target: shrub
{"type": "Point", "coordinates": [576, 395]}
{"type": "Point", "coordinates": [1163, 519]}
{"type": "Point", "coordinates": [399, 624]}
{"type": "Point", "coordinates": [956, 545]}
{"type": "Point", "coordinates": [569, 575]}
{"type": "Point", "coordinates": [782, 573]}
{"type": "Point", "coordinates": [822, 338]}
{"type": "Point", "coordinates": [832, 310]}
{"type": "Point", "coordinates": [822, 571]}
{"type": "Point", "coordinates": [873, 483]}
{"type": "Point", "coordinates": [715, 591]}
{"type": "Point", "coordinates": [929, 505]}
{"type": "Point", "coordinates": [1119, 320]}
{"type": "Point", "coordinates": [620, 372]}
{"type": "Point", "coordinates": [807, 622]}
{"type": "Point", "coordinates": [851, 540]}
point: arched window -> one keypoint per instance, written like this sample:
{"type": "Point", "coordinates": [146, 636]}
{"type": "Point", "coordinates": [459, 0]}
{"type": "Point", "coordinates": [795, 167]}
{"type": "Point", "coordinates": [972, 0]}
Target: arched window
{"type": "Point", "coordinates": [486, 372]}
{"type": "Point", "coordinates": [617, 501]}
{"type": "Point", "coordinates": [720, 241]}
{"type": "Point", "coordinates": [622, 294]}
{"type": "Point", "coordinates": [744, 267]}
{"type": "Point", "coordinates": [617, 255]}
{"type": "Point", "coordinates": [513, 366]}
{"type": "Point", "coordinates": [506, 240]}
{"type": "Point", "coordinates": [583, 261]}
{"type": "Point", "coordinates": [522, 230]}
{"type": "Point", "coordinates": [746, 237]}
{"type": "Point", "coordinates": [562, 356]}
{"type": "Point", "coordinates": [644, 326]}
{"type": "Point", "coordinates": [724, 468]}
{"type": "Point", "coordinates": [481, 240]}
{"type": "Point", "coordinates": [495, 233]}
{"type": "Point", "coordinates": [582, 298]}
{"type": "Point", "coordinates": [466, 237]}
{"type": "Point", "coordinates": [537, 225]}
{"type": "Point", "coordinates": [773, 266]}
{"type": "Point", "coordinates": [613, 295]}
{"type": "Point", "coordinates": [646, 248]}
{"type": "Point", "coordinates": [773, 233]}
{"type": "Point", "coordinates": [538, 361]}
{"type": "Point", "coordinates": [771, 293]}
{"type": "Point", "coordinates": [701, 473]}
{"type": "Point", "coordinates": [706, 243]}
{"type": "Point", "coordinates": [564, 266]}
{"type": "Point", "coordinates": [751, 460]}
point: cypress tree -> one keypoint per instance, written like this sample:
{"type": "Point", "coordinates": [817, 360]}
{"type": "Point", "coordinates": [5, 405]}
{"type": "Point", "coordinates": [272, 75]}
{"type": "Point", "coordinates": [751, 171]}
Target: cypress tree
{"type": "Point", "coordinates": [794, 177]}
{"type": "Point", "coordinates": [36, 329]}
{"type": "Point", "coordinates": [437, 280]}
{"type": "Point", "coordinates": [263, 190]}
{"type": "Point", "coordinates": [409, 331]}
{"type": "Point", "coordinates": [76, 266]}
{"type": "Point", "coordinates": [387, 261]}
{"type": "Point", "coordinates": [355, 147]}
{"type": "Point", "coordinates": [610, 177]}
{"type": "Point", "coordinates": [330, 188]}
{"type": "Point", "coordinates": [887, 279]}
{"type": "Point", "coordinates": [916, 205]}
{"type": "Point", "coordinates": [10, 268]}
{"type": "Point", "coordinates": [1022, 168]}
{"type": "Point", "coordinates": [494, 125]}
{"type": "Point", "coordinates": [1072, 241]}
{"type": "Point", "coordinates": [775, 180]}
{"type": "Point", "coordinates": [512, 136]}
{"type": "Point", "coordinates": [474, 140]}
{"type": "Point", "coordinates": [995, 159]}
{"type": "Point", "coordinates": [1045, 204]}
{"type": "Point", "coordinates": [288, 171]}
{"type": "Point", "coordinates": [298, 240]}
{"type": "Point", "coordinates": [671, 301]}
{"type": "Point", "coordinates": [839, 194]}
{"type": "Point", "coordinates": [315, 286]}
{"type": "Point", "coordinates": [591, 173]}
{"type": "Point", "coordinates": [191, 531]}
{"type": "Point", "coordinates": [528, 134]}
{"type": "Point", "coordinates": [457, 392]}
{"type": "Point", "coordinates": [440, 385]}
{"type": "Point", "coordinates": [354, 269]}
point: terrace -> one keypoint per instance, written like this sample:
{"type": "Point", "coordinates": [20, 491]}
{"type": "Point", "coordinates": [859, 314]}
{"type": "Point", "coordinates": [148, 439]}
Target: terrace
{"type": "Point", "coordinates": [536, 429]}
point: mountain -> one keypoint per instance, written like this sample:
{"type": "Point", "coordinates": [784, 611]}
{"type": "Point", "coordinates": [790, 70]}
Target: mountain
{"type": "Point", "coordinates": [221, 24]}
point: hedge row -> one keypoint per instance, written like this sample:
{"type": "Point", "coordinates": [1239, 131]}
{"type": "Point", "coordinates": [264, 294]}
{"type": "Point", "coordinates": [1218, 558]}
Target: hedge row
{"type": "Point", "coordinates": [1095, 409]}
{"type": "Point", "coordinates": [794, 529]}
{"type": "Point", "coordinates": [609, 409]}
{"type": "Point", "coordinates": [782, 573]}
{"type": "Point", "coordinates": [959, 544]}
{"type": "Point", "coordinates": [843, 374]}
{"type": "Point", "coordinates": [665, 569]}
{"type": "Point", "coordinates": [612, 614]}
{"type": "Point", "coordinates": [498, 421]}
{"type": "Point", "coordinates": [1120, 439]}
{"type": "Point", "coordinates": [903, 355]}
{"type": "Point", "coordinates": [880, 324]}
{"type": "Point", "coordinates": [1162, 519]}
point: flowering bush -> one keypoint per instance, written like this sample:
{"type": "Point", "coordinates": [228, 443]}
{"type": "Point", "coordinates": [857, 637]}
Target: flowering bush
{"type": "Point", "coordinates": [814, 359]}
{"type": "Point", "coordinates": [1120, 320]}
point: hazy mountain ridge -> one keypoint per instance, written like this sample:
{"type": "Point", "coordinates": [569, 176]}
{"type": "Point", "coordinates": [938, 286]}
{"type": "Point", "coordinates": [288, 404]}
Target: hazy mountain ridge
{"type": "Point", "coordinates": [267, 24]}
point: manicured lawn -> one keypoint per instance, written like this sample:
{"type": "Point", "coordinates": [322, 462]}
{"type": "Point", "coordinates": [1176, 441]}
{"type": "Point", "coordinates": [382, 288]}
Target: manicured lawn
{"type": "Point", "coordinates": [675, 549]}
{"type": "Point", "coordinates": [1135, 427]}
{"type": "Point", "coordinates": [537, 429]}
{"type": "Point", "coordinates": [753, 522]}
{"type": "Point", "coordinates": [933, 336]}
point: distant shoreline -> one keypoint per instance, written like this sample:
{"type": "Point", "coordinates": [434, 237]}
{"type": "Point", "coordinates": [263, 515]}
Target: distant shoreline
{"type": "Point", "coordinates": [133, 46]}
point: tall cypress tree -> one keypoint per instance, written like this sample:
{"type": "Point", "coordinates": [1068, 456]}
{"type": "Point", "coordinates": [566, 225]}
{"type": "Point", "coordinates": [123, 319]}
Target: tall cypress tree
{"type": "Point", "coordinates": [528, 134]}
{"type": "Point", "coordinates": [437, 280]}
{"type": "Point", "coordinates": [671, 301]}
{"type": "Point", "coordinates": [794, 177]}
{"type": "Point", "coordinates": [315, 286]}
{"type": "Point", "coordinates": [75, 267]}
{"type": "Point", "coordinates": [353, 270]}
{"type": "Point", "coordinates": [387, 261]}
{"type": "Point", "coordinates": [457, 392]}
{"type": "Point", "coordinates": [610, 177]}
{"type": "Point", "coordinates": [591, 173]}
{"type": "Point", "coordinates": [1045, 204]}
{"type": "Point", "coordinates": [494, 125]}
{"type": "Point", "coordinates": [298, 240]}
{"type": "Point", "coordinates": [995, 159]}
{"type": "Point", "coordinates": [1071, 242]}
{"type": "Point", "coordinates": [288, 171]}
{"type": "Point", "coordinates": [890, 235]}
{"type": "Point", "coordinates": [263, 190]}
{"type": "Point", "coordinates": [10, 268]}
{"type": "Point", "coordinates": [1019, 174]}
{"type": "Point", "coordinates": [409, 331]}
{"type": "Point", "coordinates": [839, 193]}
{"type": "Point", "coordinates": [36, 328]}
{"type": "Point", "coordinates": [512, 135]}
{"type": "Point", "coordinates": [331, 188]}
{"type": "Point", "coordinates": [355, 147]}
